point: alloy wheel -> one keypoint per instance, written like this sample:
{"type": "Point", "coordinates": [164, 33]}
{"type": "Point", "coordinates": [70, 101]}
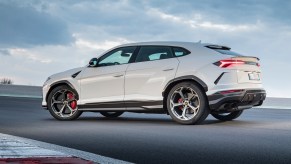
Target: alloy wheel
{"type": "Point", "coordinates": [64, 103]}
{"type": "Point", "coordinates": [184, 103]}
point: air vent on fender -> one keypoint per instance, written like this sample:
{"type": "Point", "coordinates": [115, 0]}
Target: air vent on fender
{"type": "Point", "coordinates": [75, 74]}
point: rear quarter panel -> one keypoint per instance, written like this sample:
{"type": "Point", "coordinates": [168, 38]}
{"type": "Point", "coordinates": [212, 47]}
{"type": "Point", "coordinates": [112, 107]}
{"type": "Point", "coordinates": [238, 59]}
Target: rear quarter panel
{"type": "Point", "coordinates": [200, 64]}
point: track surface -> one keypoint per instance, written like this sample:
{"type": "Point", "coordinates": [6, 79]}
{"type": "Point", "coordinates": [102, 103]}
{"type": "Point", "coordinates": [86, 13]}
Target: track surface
{"type": "Point", "coordinates": [258, 136]}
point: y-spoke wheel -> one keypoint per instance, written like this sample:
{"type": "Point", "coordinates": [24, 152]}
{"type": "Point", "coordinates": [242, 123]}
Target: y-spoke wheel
{"type": "Point", "coordinates": [187, 104]}
{"type": "Point", "coordinates": [184, 103]}
{"type": "Point", "coordinates": [62, 103]}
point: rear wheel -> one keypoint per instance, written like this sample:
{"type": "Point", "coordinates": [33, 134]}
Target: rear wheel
{"type": "Point", "coordinates": [62, 103]}
{"type": "Point", "coordinates": [187, 104]}
{"type": "Point", "coordinates": [111, 114]}
{"type": "Point", "coordinates": [227, 116]}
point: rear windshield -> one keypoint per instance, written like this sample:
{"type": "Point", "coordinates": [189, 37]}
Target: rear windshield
{"type": "Point", "coordinates": [223, 50]}
{"type": "Point", "coordinates": [227, 52]}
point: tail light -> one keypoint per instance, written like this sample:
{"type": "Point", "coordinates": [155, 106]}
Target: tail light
{"type": "Point", "coordinates": [228, 63]}
{"type": "Point", "coordinates": [232, 62]}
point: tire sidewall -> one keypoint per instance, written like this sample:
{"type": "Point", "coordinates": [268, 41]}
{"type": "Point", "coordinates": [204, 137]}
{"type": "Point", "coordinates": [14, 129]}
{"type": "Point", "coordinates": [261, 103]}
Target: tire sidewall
{"type": "Point", "coordinates": [229, 117]}
{"type": "Point", "coordinates": [74, 116]}
{"type": "Point", "coordinates": [107, 114]}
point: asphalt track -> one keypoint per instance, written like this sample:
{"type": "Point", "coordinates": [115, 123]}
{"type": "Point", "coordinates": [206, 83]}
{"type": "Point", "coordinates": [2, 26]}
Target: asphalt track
{"type": "Point", "coordinates": [258, 136]}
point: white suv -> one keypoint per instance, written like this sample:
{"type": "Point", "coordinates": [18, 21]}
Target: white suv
{"type": "Point", "coordinates": [186, 80]}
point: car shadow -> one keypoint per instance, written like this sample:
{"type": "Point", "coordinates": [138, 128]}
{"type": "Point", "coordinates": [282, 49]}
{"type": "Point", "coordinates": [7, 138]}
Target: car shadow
{"type": "Point", "coordinates": [145, 119]}
{"type": "Point", "coordinates": [160, 121]}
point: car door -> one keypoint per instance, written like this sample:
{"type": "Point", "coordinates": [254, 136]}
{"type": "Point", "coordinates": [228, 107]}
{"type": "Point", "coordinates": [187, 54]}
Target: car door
{"type": "Point", "coordinates": [102, 86]}
{"type": "Point", "coordinates": [146, 78]}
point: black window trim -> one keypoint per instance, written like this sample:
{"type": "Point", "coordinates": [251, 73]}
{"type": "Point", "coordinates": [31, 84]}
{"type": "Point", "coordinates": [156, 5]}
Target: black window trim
{"type": "Point", "coordinates": [136, 51]}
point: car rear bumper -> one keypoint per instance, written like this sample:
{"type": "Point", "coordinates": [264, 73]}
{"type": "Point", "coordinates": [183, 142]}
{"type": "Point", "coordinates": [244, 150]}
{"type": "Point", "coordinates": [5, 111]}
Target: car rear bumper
{"type": "Point", "coordinates": [244, 99]}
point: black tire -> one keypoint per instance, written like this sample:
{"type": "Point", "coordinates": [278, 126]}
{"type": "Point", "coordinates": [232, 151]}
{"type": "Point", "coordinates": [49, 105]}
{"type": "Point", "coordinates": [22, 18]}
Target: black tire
{"type": "Point", "coordinates": [227, 116]}
{"type": "Point", "coordinates": [203, 109]}
{"type": "Point", "coordinates": [111, 114]}
{"type": "Point", "coordinates": [53, 108]}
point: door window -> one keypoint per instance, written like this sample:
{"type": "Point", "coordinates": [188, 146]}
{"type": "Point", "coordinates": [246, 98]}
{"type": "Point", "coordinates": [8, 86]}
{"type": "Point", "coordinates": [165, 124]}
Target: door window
{"type": "Point", "coordinates": [117, 56]}
{"type": "Point", "coordinates": [149, 53]}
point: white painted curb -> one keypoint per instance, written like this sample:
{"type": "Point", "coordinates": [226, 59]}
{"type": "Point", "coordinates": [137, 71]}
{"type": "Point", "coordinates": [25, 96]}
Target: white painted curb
{"type": "Point", "coordinates": [46, 149]}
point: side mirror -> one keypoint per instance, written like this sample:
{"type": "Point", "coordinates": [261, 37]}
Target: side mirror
{"type": "Point", "coordinates": [93, 62]}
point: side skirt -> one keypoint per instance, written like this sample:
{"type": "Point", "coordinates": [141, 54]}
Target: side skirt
{"type": "Point", "coordinates": [122, 106]}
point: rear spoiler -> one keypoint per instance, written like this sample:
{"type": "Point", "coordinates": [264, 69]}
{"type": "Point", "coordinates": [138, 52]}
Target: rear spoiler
{"type": "Point", "coordinates": [218, 47]}
{"type": "Point", "coordinates": [228, 48]}
{"type": "Point", "coordinates": [248, 57]}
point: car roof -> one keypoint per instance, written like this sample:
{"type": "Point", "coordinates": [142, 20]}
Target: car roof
{"type": "Point", "coordinates": [161, 43]}
{"type": "Point", "coordinates": [188, 45]}
{"type": "Point", "coordinates": [172, 43]}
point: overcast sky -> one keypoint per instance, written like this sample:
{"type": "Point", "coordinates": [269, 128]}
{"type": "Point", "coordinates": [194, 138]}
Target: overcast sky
{"type": "Point", "coordinates": [39, 38]}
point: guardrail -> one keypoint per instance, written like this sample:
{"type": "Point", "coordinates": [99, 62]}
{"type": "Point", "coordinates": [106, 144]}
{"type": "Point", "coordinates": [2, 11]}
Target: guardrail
{"type": "Point", "coordinates": [279, 103]}
{"type": "Point", "coordinates": [20, 91]}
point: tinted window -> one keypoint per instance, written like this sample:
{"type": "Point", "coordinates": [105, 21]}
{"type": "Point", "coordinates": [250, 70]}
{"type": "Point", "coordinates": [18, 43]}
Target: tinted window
{"type": "Point", "coordinates": [180, 51]}
{"type": "Point", "coordinates": [223, 50]}
{"type": "Point", "coordinates": [117, 56]}
{"type": "Point", "coordinates": [149, 53]}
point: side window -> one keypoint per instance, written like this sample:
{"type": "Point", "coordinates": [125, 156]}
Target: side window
{"type": "Point", "coordinates": [117, 56]}
{"type": "Point", "coordinates": [180, 51]}
{"type": "Point", "coordinates": [149, 53]}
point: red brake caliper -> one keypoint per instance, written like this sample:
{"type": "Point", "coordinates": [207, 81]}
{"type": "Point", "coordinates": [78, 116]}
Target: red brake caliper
{"type": "Point", "coordinates": [180, 100]}
{"type": "Point", "coordinates": [73, 103]}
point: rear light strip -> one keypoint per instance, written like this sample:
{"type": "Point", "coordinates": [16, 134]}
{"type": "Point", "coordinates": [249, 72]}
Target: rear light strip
{"type": "Point", "coordinates": [231, 62]}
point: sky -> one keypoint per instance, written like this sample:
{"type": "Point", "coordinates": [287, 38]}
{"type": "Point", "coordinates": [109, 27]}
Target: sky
{"type": "Point", "coordinates": [39, 38]}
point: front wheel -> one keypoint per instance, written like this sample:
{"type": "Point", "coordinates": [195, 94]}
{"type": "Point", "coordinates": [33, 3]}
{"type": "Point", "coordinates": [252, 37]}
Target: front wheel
{"type": "Point", "coordinates": [227, 116]}
{"type": "Point", "coordinates": [187, 104]}
{"type": "Point", "coordinates": [111, 114]}
{"type": "Point", "coordinates": [62, 103]}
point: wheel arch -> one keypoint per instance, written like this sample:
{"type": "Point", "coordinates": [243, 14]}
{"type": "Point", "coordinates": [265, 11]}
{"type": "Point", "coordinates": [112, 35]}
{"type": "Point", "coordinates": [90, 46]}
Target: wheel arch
{"type": "Point", "coordinates": [191, 78]}
{"type": "Point", "coordinates": [60, 83]}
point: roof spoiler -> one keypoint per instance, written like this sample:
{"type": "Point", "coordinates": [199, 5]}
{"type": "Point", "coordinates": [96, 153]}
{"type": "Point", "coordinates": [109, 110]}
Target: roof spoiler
{"type": "Point", "coordinates": [218, 47]}
{"type": "Point", "coordinates": [249, 57]}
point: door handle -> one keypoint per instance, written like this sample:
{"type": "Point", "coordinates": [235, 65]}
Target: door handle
{"type": "Point", "coordinates": [118, 75]}
{"type": "Point", "coordinates": [169, 69]}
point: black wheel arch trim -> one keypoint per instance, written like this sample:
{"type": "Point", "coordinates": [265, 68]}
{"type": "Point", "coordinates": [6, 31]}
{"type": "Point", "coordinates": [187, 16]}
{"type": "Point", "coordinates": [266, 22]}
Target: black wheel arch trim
{"type": "Point", "coordinates": [58, 83]}
{"type": "Point", "coordinates": [187, 77]}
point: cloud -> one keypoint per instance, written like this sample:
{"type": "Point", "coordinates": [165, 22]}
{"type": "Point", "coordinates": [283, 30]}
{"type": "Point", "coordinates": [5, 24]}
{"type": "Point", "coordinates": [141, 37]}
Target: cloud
{"type": "Point", "coordinates": [23, 53]}
{"type": "Point", "coordinates": [4, 52]}
{"type": "Point", "coordinates": [105, 45]}
{"type": "Point", "coordinates": [236, 11]}
{"type": "Point", "coordinates": [39, 38]}
{"type": "Point", "coordinates": [23, 26]}
{"type": "Point", "coordinates": [197, 21]}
